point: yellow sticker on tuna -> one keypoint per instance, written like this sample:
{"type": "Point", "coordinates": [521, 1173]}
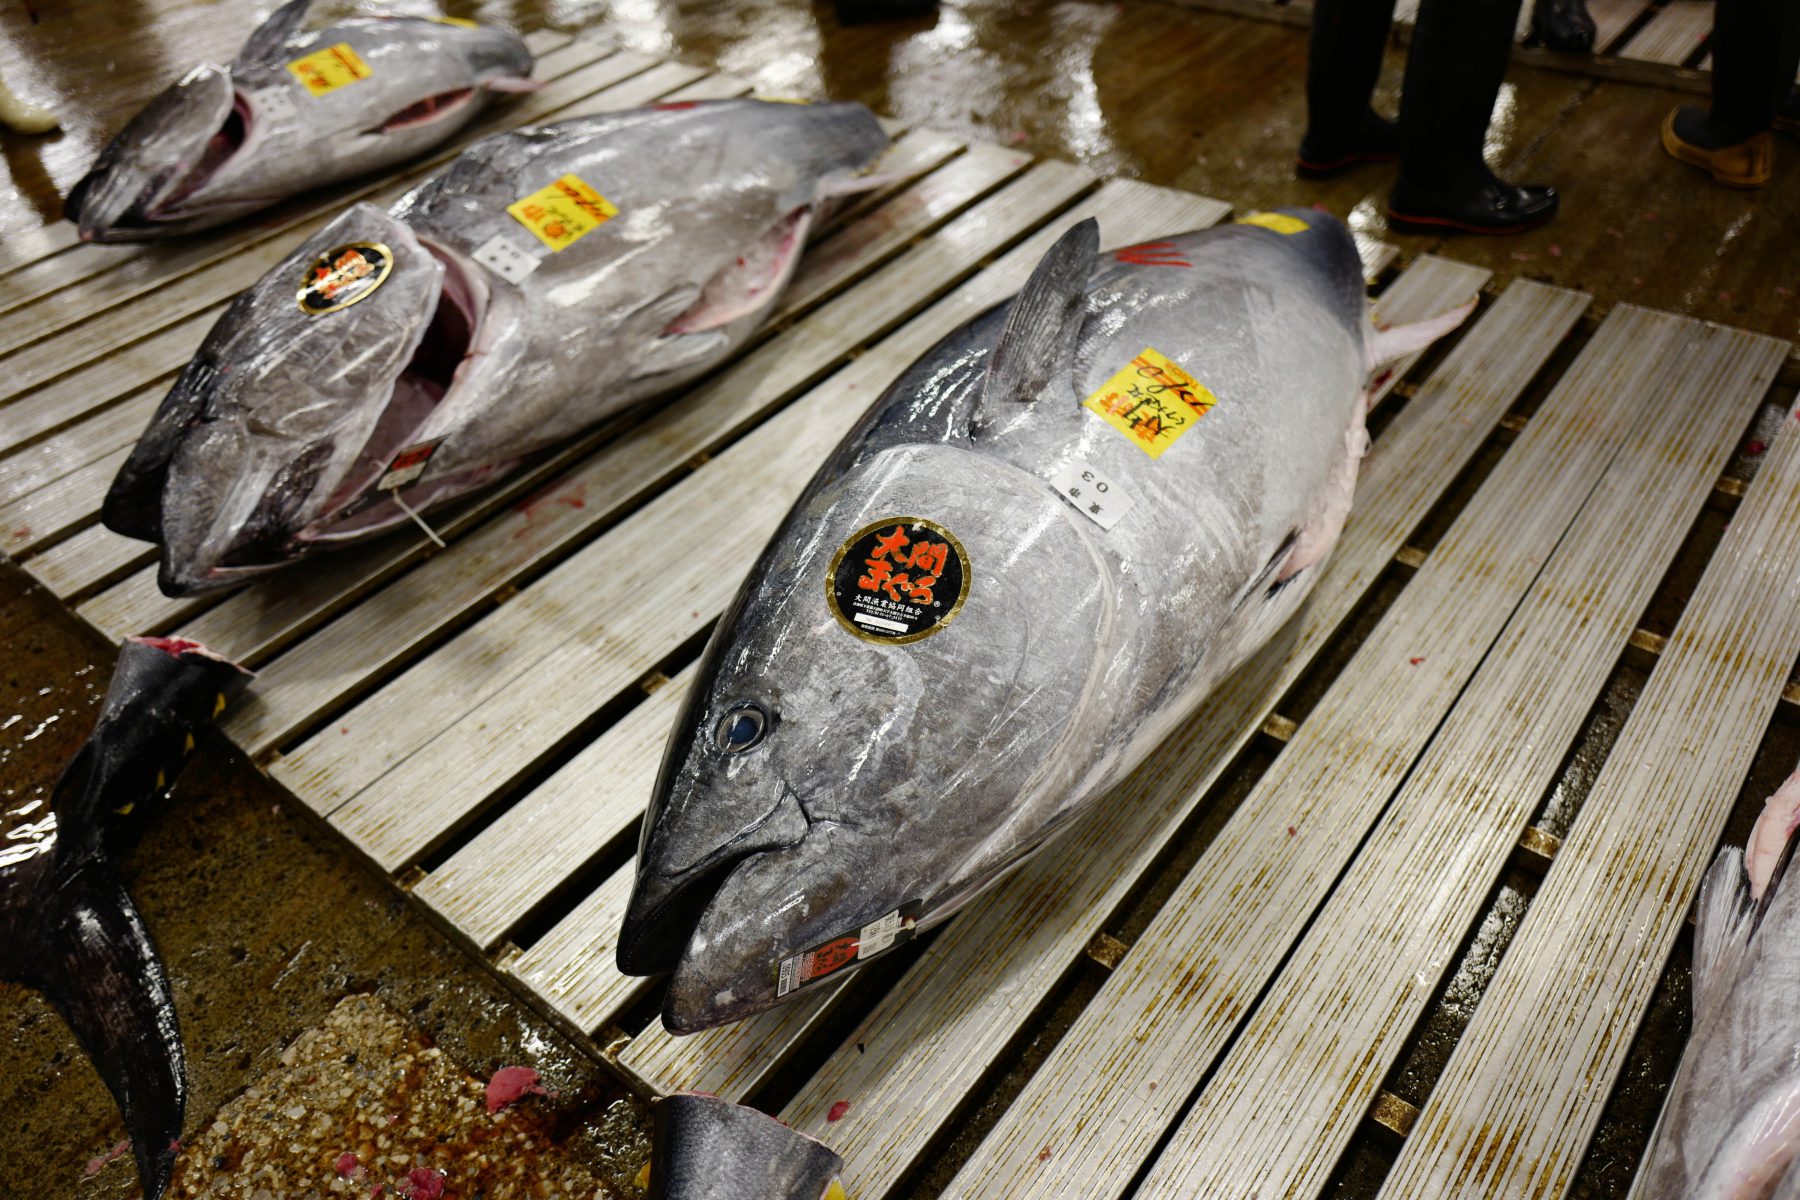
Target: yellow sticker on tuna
{"type": "Point", "coordinates": [566, 210]}
{"type": "Point", "coordinates": [1152, 401]}
{"type": "Point", "coordinates": [329, 69]}
{"type": "Point", "coordinates": [1279, 222]}
{"type": "Point", "coordinates": [462, 21]}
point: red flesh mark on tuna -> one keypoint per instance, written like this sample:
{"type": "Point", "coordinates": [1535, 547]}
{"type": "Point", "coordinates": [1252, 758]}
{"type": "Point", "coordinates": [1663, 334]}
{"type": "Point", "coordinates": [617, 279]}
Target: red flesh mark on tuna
{"type": "Point", "coordinates": [173, 647]}
{"type": "Point", "coordinates": [1152, 254]}
{"type": "Point", "coordinates": [510, 1085]}
{"type": "Point", "coordinates": [675, 105]}
{"type": "Point", "coordinates": [838, 1110]}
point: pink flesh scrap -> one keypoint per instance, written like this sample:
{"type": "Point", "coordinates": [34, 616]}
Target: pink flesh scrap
{"type": "Point", "coordinates": [1779, 818]}
{"type": "Point", "coordinates": [510, 1085]}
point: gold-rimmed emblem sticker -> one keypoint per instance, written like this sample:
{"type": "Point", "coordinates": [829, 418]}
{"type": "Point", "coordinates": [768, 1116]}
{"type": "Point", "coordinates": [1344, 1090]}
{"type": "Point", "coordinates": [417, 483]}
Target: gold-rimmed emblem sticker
{"type": "Point", "coordinates": [339, 278]}
{"type": "Point", "coordinates": [898, 580]}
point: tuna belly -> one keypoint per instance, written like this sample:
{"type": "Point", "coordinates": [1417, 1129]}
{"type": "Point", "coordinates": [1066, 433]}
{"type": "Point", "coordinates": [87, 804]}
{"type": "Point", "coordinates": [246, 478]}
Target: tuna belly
{"type": "Point", "coordinates": [750, 283]}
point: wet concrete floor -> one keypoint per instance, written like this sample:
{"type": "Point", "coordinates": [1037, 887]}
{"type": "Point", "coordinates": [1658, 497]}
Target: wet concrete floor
{"type": "Point", "coordinates": [267, 925]}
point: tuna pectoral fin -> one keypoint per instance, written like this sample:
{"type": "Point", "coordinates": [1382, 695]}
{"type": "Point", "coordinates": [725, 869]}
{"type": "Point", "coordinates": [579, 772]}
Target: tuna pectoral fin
{"type": "Point", "coordinates": [751, 282]}
{"type": "Point", "coordinates": [1726, 919]}
{"type": "Point", "coordinates": [91, 956]}
{"type": "Point", "coordinates": [705, 1148]}
{"type": "Point", "coordinates": [1397, 341]}
{"type": "Point", "coordinates": [1769, 839]}
{"type": "Point", "coordinates": [1038, 342]}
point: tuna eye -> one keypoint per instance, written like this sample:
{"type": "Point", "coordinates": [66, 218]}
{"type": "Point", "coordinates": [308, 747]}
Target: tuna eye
{"type": "Point", "coordinates": [741, 727]}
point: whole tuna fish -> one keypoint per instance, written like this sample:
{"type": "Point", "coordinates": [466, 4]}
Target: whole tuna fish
{"type": "Point", "coordinates": [1730, 1129]}
{"type": "Point", "coordinates": [705, 1148]}
{"type": "Point", "coordinates": [551, 278]}
{"type": "Point", "coordinates": [1045, 544]}
{"type": "Point", "coordinates": [298, 109]}
{"type": "Point", "coordinates": [67, 927]}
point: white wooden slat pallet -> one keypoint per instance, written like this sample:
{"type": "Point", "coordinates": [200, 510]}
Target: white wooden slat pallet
{"type": "Point", "coordinates": [483, 723]}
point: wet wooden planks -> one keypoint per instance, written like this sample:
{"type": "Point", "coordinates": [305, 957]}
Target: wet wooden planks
{"type": "Point", "coordinates": [484, 723]}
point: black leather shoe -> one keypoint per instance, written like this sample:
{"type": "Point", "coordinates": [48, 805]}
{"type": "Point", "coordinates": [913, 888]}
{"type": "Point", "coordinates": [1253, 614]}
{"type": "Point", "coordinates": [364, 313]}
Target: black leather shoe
{"type": "Point", "coordinates": [1323, 157]}
{"type": "Point", "coordinates": [1489, 207]}
{"type": "Point", "coordinates": [1564, 25]}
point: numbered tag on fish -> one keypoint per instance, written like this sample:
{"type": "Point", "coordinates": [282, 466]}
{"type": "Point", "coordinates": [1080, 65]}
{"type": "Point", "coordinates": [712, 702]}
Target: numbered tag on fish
{"type": "Point", "coordinates": [836, 953]}
{"type": "Point", "coordinates": [408, 465]}
{"type": "Point", "coordinates": [563, 213]}
{"type": "Point", "coordinates": [506, 258]}
{"type": "Point", "coordinates": [1152, 401]}
{"type": "Point", "coordinates": [1098, 498]}
{"type": "Point", "coordinates": [274, 109]}
{"type": "Point", "coordinates": [325, 71]}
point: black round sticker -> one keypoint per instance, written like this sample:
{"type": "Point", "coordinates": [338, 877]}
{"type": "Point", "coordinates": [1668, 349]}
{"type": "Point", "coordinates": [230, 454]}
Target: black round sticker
{"type": "Point", "coordinates": [898, 580]}
{"type": "Point", "coordinates": [343, 276]}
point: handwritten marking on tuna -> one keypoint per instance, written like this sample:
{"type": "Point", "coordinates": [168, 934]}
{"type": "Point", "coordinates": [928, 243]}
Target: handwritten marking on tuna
{"type": "Point", "coordinates": [1152, 401]}
{"type": "Point", "coordinates": [1098, 498]}
{"type": "Point", "coordinates": [563, 212]}
{"type": "Point", "coordinates": [1152, 254]}
{"type": "Point", "coordinates": [329, 69]}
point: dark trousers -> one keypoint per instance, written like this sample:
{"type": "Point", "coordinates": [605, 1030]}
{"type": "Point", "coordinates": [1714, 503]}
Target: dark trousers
{"type": "Point", "coordinates": [1453, 75]}
{"type": "Point", "coordinates": [1756, 50]}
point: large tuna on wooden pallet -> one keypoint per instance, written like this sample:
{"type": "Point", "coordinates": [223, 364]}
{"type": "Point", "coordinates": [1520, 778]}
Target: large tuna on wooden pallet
{"type": "Point", "coordinates": [1046, 543]}
{"type": "Point", "coordinates": [551, 278]}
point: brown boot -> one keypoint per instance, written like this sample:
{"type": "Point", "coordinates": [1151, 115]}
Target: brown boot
{"type": "Point", "coordinates": [1746, 163]}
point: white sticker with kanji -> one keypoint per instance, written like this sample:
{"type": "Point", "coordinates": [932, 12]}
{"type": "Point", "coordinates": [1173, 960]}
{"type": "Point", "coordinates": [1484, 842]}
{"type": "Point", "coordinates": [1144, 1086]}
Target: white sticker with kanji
{"type": "Point", "coordinates": [506, 258]}
{"type": "Point", "coordinates": [1099, 498]}
{"type": "Point", "coordinates": [274, 109]}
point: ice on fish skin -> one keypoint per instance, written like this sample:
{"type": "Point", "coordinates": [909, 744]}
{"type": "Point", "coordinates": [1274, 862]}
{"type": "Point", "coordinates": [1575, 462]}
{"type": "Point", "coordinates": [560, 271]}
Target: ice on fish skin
{"type": "Point", "coordinates": [826, 794]}
{"type": "Point", "coordinates": [227, 141]}
{"type": "Point", "coordinates": [705, 1148]}
{"type": "Point", "coordinates": [1730, 1128]}
{"type": "Point", "coordinates": [67, 926]}
{"type": "Point", "coordinates": [275, 439]}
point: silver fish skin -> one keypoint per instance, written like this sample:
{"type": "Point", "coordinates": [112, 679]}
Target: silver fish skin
{"type": "Point", "coordinates": [1730, 1128]}
{"type": "Point", "coordinates": [274, 440]}
{"type": "Point", "coordinates": [227, 141]}
{"type": "Point", "coordinates": [705, 1148]}
{"type": "Point", "coordinates": [827, 793]}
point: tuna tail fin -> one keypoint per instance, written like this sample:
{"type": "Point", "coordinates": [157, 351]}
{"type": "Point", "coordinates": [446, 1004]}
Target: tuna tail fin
{"type": "Point", "coordinates": [89, 953]}
{"type": "Point", "coordinates": [705, 1148]}
{"type": "Point", "coordinates": [265, 45]}
{"type": "Point", "coordinates": [1397, 341]}
{"type": "Point", "coordinates": [1038, 339]}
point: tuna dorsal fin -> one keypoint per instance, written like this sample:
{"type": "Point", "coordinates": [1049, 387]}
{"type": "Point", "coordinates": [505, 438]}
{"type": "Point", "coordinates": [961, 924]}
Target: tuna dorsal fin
{"type": "Point", "coordinates": [265, 44]}
{"type": "Point", "coordinates": [1039, 336]}
{"type": "Point", "coordinates": [1722, 929]}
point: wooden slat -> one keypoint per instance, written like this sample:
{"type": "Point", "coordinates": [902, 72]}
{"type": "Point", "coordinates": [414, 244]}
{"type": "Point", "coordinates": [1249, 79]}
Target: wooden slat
{"type": "Point", "coordinates": [948, 1018]}
{"type": "Point", "coordinates": [492, 883]}
{"type": "Point", "coordinates": [572, 968]}
{"type": "Point", "coordinates": [1672, 35]}
{"type": "Point", "coordinates": [44, 462]}
{"type": "Point", "coordinates": [1612, 18]}
{"type": "Point", "coordinates": [110, 273]}
{"type": "Point", "coordinates": [1524, 1088]}
{"type": "Point", "coordinates": [1163, 1017]}
{"type": "Point", "coordinates": [24, 248]}
{"type": "Point", "coordinates": [52, 511]}
{"type": "Point", "coordinates": [618, 643]}
{"type": "Point", "coordinates": [1279, 1110]}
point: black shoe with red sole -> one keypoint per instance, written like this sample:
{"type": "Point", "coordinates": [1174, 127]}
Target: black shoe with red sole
{"type": "Point", "coordinates": [1492, 209]}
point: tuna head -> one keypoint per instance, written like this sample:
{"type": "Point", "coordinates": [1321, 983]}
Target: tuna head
{"type": "Point", "coordinates": [890, 719]}
{"type": "Point", "coordinates": [298, 403]}
{"type": "Point", "coordinates": [145, 182]}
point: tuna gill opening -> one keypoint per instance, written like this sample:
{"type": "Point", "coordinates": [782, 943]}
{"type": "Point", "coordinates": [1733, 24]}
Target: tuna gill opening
{"type": "Point", "coordinates": [431, 108]}
{"type": "Point", "coordinates": [220, 148]}
{"type": "Point", "coordinates": [418, 390]}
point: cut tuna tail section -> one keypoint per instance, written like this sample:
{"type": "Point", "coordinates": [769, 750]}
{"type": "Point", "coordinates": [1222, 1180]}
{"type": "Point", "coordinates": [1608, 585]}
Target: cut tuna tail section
{"type": "Point", "coordinates": [1395, 342]}
{"type": "Point", "coordinates": [1767, 850]}
{"type": "Point", "coordinates": [67, 926]}
{"type": "Point", "coordinates": [705, 1148]}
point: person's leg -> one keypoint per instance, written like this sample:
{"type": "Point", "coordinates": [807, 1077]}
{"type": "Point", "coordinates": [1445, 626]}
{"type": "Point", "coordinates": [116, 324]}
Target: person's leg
{"type": "Point", "coordinates": [1453, 75]}
{"type": "Point", "coordinates": [1752, 44]}
{"type": "Point", "coordinates": [1343, 61]}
